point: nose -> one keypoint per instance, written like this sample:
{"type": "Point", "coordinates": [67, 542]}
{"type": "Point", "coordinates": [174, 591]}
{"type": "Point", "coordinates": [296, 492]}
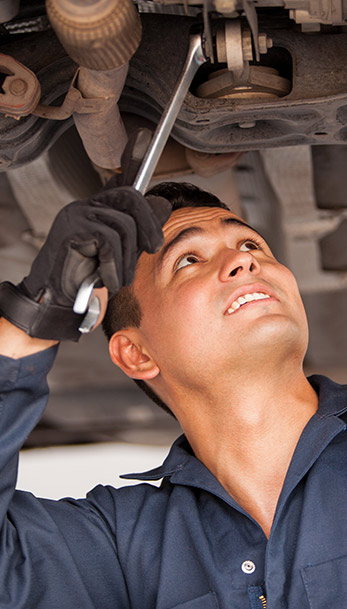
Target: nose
{"type": "Point", "coordinates": [236, 263]}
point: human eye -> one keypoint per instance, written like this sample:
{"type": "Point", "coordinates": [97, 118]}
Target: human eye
{"type": "Point", "coordinates": [250, 245]}
{"type": "Point", "coordinates": [186, 260]}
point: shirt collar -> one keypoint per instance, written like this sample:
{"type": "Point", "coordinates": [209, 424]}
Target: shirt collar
{"type": "Point", "coordinates": [332, 396]}
{"type": "Point", "coordinates": [177, 458]}
{"type": "Point", "coordinates": [183, 467]}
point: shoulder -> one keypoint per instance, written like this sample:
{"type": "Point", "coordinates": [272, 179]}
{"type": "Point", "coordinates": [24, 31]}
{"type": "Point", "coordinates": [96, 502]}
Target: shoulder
{"type": "Point", "coordinates": [127, 506]}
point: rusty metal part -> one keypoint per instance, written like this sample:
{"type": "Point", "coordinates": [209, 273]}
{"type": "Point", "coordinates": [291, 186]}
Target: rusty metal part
{"type": "Point", "coordinates": [208, 47]}
{"type": "Point", "coordinates": [332, 12]}
{"type": "Point", "coordinates": [309, 12]}
{"type": "Point", "coordinates": [21, 89]}
{"type": "Point", "coordinates": [252, 18]}
{"type": "Point", "coordinates": [74, 102]}
{"type": "Point", "coordinates": [226, 7]}
{"type": "Point", "coordinates": [22, 92]}
{"type": "Point", "coordinates": [230, 48]}
{"type": "Point", "coordinates": [234, 46]}
{"type": "Point", "coordinates": [93, 104]}
{"type": "Point", "coordinates": [98, 34]}
{"type": "Point", "coordinates": [259, 82]}
{"type": "Point", "coordinates": [208, 165]}
{"type": "Point", "coordinates": [265, 43]}
{"type": "Point", "coordinates": [103, 133]}
{"type": "Point", "coordinates": [314, 112]}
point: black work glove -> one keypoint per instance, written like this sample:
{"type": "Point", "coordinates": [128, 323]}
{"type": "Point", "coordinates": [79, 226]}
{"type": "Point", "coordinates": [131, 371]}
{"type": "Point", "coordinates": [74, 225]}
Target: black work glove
{"type": "Point", "coordinates": [100, 239]}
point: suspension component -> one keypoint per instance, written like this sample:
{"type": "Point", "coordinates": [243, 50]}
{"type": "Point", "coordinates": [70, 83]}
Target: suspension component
{"type": "Point", "coordinates": [240, 80]}
{"type": "Point", "coordinates": [103, 133]}
{"type": "Point", "coordinates": [97, 34]}
{"type": "Point", "coordinates": [234, 45]}
{"type": "Point", "coordinates": [255, 82]}
{"type": "Point", "coordinates": [21, 89]}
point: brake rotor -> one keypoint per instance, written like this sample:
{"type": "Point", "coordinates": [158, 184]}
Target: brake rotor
{"type": "Point", "coordinates": [259, 82]}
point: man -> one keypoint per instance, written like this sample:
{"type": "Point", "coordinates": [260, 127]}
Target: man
{"type": "Point", "coordinates": [252, 508]}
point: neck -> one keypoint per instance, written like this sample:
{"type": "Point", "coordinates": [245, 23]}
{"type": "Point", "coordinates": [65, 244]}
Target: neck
{"type": "Point", "coordinates": [247, 431]}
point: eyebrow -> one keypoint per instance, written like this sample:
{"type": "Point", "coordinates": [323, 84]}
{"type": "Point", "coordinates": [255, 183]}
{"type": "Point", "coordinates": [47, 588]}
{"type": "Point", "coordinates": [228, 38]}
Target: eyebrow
{"type": "Point", "coordinates": [241, 223]}
{"type": "Point", "coordinates": [191, 231]}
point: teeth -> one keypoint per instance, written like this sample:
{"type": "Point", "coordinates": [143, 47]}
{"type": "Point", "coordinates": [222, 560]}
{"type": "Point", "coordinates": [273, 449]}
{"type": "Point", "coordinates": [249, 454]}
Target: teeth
{"type": "Point", "coordinates": [246, 298]}
{"type": "Point", "coordinates": [242, 300]}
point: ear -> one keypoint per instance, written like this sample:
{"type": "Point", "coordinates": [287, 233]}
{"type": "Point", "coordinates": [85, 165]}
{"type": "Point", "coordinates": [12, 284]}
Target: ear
{"type": "Point", "coordinates": [128, 354]}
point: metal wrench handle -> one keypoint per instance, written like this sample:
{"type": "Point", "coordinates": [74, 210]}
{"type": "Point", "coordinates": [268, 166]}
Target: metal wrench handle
{"type": "Point", "coordinates": [195, 58]}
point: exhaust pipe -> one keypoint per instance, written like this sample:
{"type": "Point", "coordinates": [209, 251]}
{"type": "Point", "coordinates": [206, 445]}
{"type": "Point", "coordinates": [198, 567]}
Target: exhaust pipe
{"type": "Point", "coordinates": [97, 34]}
{"type": "Point", "coordinates": [100, 36]}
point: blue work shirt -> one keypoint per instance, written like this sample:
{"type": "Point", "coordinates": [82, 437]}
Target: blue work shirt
{"type": "Point", "coordinates": [185, 545]}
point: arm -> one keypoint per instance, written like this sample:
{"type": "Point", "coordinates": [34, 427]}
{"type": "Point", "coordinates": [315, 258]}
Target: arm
{"type": "Point", "coordinates": [53, 555]}
{"type": "Point", "coordinates": [62, 555]}
{"type": "Point", "coordinates": [15, 343]}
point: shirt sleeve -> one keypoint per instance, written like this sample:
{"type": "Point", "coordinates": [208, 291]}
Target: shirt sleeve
{"type": "Point", "coordinates": [53, 554]}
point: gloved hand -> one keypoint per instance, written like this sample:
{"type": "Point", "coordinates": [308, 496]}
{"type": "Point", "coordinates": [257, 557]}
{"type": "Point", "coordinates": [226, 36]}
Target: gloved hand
{"type": "Point", "coordinates": [98, 238]}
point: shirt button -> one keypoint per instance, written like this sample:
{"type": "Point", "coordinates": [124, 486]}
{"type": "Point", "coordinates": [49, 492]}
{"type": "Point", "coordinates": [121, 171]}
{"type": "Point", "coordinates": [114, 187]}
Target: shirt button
{"type": "Point", "coordinates": [248, 567]}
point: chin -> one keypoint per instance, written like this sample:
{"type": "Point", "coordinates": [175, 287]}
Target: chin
{"type": "Point", "coordinates": [277, 337]}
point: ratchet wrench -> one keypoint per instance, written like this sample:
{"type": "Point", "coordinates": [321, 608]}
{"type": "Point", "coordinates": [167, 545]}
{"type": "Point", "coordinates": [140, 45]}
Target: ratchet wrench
{"type": "Point", "coordinates": [195, 58]}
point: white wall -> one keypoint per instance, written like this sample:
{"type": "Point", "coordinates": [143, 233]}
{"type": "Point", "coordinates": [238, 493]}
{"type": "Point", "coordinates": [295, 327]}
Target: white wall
{"type": "Point", "coordinates": [74, 470]}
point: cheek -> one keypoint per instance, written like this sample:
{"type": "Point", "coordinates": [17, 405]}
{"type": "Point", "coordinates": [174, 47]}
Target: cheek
{"type": "Point", "coordinates": [178, 315]}
{"type": "Point", "coordinates": [293, 289]}
{"type": "Point", "coordinates": [184, 308]}
{"type": "Point", "coordinates": [292, 296]}
{"type": "Point", "coordinates": [282, 278]}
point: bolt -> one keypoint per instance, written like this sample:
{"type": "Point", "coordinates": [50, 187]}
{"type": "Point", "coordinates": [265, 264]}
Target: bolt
{"type": "Point", "coordinates": [248, 125]}
{"type": "Point", "coordinates": [265, 43]}
{"type": "Point", "coordinates": [18, 86]}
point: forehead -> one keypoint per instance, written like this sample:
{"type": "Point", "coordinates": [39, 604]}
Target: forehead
{"type": "Point", "coordinates": [193, 216]}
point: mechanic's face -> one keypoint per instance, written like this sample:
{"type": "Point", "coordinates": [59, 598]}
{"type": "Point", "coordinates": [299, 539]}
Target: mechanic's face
{"type": "Point", "coordinates": [214, 296]}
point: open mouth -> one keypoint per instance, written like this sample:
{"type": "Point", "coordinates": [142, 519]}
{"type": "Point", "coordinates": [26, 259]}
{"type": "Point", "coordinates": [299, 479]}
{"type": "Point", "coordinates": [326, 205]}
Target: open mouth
{"type": "Point", "coordinates": [245, 299]}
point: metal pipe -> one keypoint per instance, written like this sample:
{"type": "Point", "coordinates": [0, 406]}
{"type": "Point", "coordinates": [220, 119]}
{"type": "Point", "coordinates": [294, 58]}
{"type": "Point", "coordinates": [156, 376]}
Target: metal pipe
{"type": "Point", "coordinates": [103, 133]}
{"type": "Point", "coordinates": [97, 34]}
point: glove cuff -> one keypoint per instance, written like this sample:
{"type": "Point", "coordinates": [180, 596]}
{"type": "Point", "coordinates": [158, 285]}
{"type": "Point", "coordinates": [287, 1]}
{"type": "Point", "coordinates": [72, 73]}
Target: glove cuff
{"type": "Point", "coordinates": [39, 320]}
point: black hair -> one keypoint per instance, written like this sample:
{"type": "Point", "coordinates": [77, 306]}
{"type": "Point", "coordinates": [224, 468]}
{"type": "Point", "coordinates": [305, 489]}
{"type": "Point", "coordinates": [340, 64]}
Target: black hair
{"type": "Point", "coordinates": [124, 309]}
